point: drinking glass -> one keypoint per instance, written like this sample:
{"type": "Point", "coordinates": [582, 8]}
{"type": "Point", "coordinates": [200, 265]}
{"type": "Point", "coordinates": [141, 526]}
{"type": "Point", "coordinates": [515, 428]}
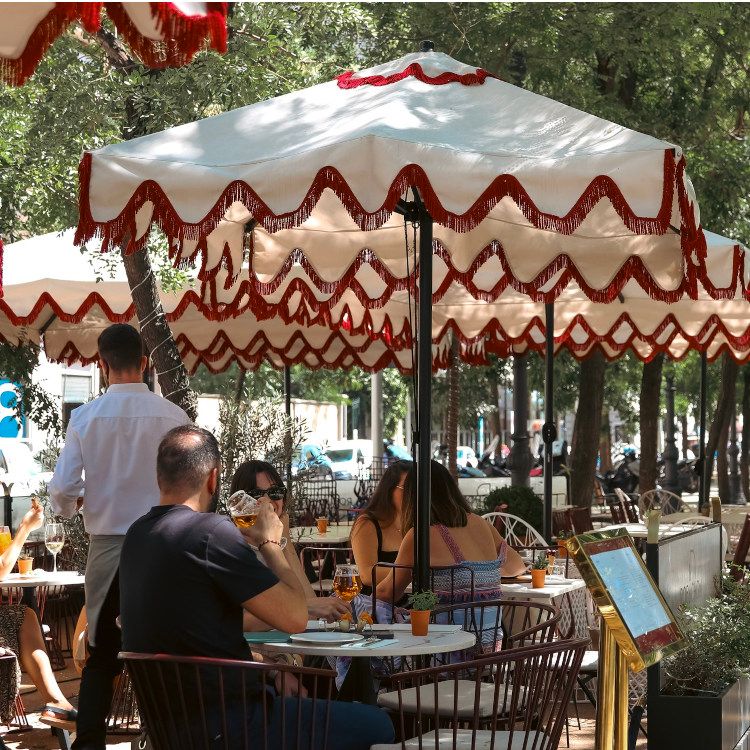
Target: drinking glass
{"type": "Point", "coordinates": [346, 582]}
{"type": "Point", "coordinates": [54, 539]}
{"type": "Point", "coordinates": [243, 510]}
{"type": "Point", "coordinates": [5, 538]}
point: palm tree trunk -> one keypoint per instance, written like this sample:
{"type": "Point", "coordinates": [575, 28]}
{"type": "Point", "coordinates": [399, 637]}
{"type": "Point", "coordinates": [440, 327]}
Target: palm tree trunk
{"type": "Point", "coordinates": [745, 454]}
{"type": "Point", "coordinates": [649, 421]}
{"type": "Point", "coordinates": [717, 433]}
{"type": "Point", "coordinates": [587, 429]}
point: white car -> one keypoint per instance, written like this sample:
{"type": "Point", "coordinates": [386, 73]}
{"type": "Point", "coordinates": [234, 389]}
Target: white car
{"type": "Point", "coordinates": [349, 457]}
{"type": "Point", "coordinates": [20, 476]}
{"type": "Point", "coordinates": [465, 456]}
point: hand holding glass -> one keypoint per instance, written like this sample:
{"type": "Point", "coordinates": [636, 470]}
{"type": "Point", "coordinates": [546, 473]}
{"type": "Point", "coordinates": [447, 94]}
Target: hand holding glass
{"type": "Point", "coordinates": [54, 539]}
{"type": "Point", "coordinates": [244, 509]}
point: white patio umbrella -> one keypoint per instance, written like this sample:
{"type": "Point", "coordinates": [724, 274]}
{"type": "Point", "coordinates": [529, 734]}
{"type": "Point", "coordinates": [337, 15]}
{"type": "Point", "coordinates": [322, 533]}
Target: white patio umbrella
{"type": "Point", "coordinates": [160, 34]}
{"type": "Point", "coordinates": [54, 295]}
{"type": "Point", "coordinates": [331, 176]}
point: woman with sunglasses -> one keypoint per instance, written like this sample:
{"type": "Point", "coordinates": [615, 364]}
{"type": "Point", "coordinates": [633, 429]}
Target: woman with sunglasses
{"type": "Point", "coordinates": [260, 480]}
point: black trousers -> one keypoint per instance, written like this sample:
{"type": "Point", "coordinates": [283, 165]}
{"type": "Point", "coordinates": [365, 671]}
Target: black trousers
{"type": "Point", "coordinates": [102, 666]}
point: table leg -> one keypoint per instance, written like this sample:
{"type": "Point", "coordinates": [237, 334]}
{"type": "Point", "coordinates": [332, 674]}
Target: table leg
{"type": "Point", "coordinates": [359, 684]}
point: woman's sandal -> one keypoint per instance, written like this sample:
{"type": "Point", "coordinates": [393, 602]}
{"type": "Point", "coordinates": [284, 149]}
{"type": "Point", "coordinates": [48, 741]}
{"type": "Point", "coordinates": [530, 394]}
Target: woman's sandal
{"type": "Point", "coordinates": [58, 717]}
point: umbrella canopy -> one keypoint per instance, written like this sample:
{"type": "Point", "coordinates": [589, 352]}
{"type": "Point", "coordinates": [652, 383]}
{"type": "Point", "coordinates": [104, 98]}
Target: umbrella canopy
{"type": "Point", "coordinates": [513, 323]}
{"type": "Point", "coordinates": [160, 34]}
{"type": "Point", "coordinates": [545, 193]}
{"type": "Point", "coordinates": [55, 295]}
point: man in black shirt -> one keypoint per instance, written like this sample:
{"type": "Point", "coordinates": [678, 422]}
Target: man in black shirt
{"type": "Point", "coordinates": [187, 576]}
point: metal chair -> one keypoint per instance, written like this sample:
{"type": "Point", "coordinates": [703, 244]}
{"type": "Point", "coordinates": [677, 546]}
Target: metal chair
{"type": "Point", "coordinates": [509, 699]}
{"type": "Point", "coordinates": [197, 703]}
{"type": "Point", "coordinates": [516, 531]}
{"type": "Point", "coordinates": [617, 510]}
{"type": "Point", "coordinates": [664, 499]}
{"type": "Point", "coordinates": [580, 519]}
{"type": "Point", "coordinates": [629, 506]}
{"type": "Point", "coordinates": [317, 498]}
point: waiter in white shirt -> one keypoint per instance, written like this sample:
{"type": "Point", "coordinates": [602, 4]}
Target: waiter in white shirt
{"type": "Point", "coordinates": [112, 442]}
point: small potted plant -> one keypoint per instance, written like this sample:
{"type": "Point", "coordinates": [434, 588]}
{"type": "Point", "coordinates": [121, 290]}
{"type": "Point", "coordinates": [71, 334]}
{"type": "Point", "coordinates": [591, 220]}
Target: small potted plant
{"type": "Point", "coordinates": [539, 570]}
{"type": "Point", "coordinates": [421, 604]}
{"type": "Point", "coordinates": [562, 538]}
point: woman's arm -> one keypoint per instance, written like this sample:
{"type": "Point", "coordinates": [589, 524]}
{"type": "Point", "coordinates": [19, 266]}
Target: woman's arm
{"type": "Point", "coordinates": [364, 541]}
{"type": "Point", "coordinates": [293, 560]}
{"type": "Point", "coordinates": [31, 521]}
{"type": "Point", "coordinates": [394, 584]}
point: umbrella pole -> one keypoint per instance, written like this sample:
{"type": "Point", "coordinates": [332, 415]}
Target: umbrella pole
{"type": "Point", "coordinates": [424, 401]}
{"type": "Point", "coordinates": [288, 410]}
{"type": "Point", "coordinates": [704, 481]}
{"type": "Point", "coordinates": [549, 430]}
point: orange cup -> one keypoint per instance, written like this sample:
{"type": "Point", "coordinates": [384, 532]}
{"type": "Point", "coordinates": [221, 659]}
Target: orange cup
{"type": "Point", "coordinates": [25, 564]}
{"type": "Point", "coordinates": [322, 525]}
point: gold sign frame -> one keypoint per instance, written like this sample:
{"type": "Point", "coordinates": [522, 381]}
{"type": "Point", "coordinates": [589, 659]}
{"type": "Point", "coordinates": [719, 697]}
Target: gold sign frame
{"type": "Point", "coordinates": [640, 652]}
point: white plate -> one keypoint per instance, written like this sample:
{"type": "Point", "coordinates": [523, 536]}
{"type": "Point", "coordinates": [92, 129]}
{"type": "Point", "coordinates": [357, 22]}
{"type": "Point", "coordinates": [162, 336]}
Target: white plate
{"type": "Point", "coordinates": [326, 639]}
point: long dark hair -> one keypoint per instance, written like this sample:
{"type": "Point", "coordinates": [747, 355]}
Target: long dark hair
{"type": "Point", "coordinates": [447, 505]}
{"type": "Point", "coordinates": [246, 476]}
{"type": "Point", "coordinates": [380, 507]}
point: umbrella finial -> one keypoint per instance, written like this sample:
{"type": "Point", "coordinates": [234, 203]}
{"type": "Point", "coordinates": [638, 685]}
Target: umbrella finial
{"type": "Point", "coordinates": [427, 46]}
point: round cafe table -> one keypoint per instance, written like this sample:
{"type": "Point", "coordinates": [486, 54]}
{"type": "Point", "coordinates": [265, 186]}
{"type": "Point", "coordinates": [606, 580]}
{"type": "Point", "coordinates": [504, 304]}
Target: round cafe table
{"type": "Point", "coordinates": [359, 684]}
{"type": "Point", "coordinates": [31, 582]}
{"type": "Point", "coordinates": [309, 535]}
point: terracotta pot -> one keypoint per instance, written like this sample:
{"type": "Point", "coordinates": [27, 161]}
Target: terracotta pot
{"type": "Point", "coordinates": [537, 578]}
{"type": "Point", "coordinates": [420, 620]}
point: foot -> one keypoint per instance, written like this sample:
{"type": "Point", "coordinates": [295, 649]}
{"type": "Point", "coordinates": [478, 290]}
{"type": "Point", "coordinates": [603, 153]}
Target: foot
{"type": "Point", "coordinates": [61, 711]}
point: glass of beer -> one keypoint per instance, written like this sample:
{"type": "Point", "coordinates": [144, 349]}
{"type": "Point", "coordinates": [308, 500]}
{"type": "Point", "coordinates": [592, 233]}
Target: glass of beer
{"type": "Point", "coordinates": [54, 539]}
{"type": "Point", "coordinates": [243, 509]}
{"type": "Point", "coordinates": [5, 538]}
{"type": "Point", "coordinates": [322, 525]}
{"type": "Point", "coordinates": [346, 582]}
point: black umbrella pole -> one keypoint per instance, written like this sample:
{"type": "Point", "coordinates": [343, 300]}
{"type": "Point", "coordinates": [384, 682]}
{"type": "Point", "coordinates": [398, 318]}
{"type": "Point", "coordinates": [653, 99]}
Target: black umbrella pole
{"type": "Point", "coordinates": [288, 410]}
{"type": "Point", "coordinates": [424, 400]}
{"type": "Point", "coordinates": [704, 481]}
{"type": "Point", "coordinates": [549, 431]}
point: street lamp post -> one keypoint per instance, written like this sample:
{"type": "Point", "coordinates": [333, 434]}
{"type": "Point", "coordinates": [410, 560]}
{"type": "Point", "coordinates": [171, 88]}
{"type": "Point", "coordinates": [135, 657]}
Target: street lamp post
{"type": "Point", "coordinates": [520, 458]}
{"type": "Point", "coordinates": [671, 480]}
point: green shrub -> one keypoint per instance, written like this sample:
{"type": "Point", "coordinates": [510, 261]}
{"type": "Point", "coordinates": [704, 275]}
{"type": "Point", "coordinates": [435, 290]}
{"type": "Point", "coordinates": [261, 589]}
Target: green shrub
{"type": "Point", "coordinates": [519, 501]}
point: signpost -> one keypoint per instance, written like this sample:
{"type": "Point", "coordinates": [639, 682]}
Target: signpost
{"type": "Point", "coordinates": [637, 626]}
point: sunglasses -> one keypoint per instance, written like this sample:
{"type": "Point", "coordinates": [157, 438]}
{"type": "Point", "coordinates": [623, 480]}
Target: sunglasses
{"type": "Point", "coordinates": [273, 493]}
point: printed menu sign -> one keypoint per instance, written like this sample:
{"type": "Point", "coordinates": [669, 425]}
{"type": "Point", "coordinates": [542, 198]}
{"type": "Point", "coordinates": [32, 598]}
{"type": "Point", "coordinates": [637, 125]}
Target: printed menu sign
{"type": "Point", "coordinates": [627, 596]}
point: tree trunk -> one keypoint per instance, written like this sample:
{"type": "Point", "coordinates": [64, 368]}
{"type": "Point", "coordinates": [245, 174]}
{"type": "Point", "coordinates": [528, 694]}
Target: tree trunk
{"type": "Point", "coordinates": [722, 466]}
{"type": "Point", "coordinates": [156, 334]}
{"type": "Point", "coordinates": [239, 386]}
{"type": "Point", "coordinates": [683, 423]}
{"type": "Point", "coordinates": [745, 454]}
{"type": "Point", "coordinates": [453, 405]}
{"type": "Point", "coordinates": [722, 414]}
{"type": "Point", "coordinates": [649, 421]}
{"type": "Point", "coordinates": [587, 429]}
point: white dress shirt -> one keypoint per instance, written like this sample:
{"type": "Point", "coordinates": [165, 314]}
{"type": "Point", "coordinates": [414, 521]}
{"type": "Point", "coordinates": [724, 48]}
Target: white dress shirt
{"type": "Point", "coordinates": [113, 440]}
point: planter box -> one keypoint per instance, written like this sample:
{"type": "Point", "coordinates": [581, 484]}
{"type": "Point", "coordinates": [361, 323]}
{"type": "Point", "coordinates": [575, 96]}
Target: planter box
{"type": "Point", "coordinates": [693, 722]}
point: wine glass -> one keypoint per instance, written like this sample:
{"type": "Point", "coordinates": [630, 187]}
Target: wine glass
{"type": "Point", "coordinates": [346, 582]}
{"type": "Point", "coordinates": [243, 509]}
{"type": "Point", "coordinates": [54, 539]}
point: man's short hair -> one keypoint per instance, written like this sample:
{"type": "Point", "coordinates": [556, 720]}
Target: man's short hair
{"type": "Point", "coordinates": [121, 347]}
{"type": "Point", "coordinates": [187, 455]}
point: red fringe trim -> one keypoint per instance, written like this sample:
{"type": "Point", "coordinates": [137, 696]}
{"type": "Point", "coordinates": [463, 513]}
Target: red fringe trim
{"type": "Point", "coordinates": [15, 72]}
{"type": "Point", "coordinates": [328, 178]}
{"type": "Point", "coordinates": [184, 35]}
{"type": "Point", "coordinates": [348, 80]}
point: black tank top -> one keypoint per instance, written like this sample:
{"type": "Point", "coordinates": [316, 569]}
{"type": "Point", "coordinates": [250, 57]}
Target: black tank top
{"type": "Point", "coordinates": [386, 557]}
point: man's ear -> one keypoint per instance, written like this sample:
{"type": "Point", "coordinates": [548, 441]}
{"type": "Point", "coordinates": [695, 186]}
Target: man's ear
{"type": "Point", "coordinates": [144, 364]}
{"type": "Point", "coordinates": [213, 481]}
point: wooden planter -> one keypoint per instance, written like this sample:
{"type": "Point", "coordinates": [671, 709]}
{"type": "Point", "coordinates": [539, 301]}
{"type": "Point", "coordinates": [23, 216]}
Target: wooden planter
{"type": "Point", "coordinates": [701, 722]}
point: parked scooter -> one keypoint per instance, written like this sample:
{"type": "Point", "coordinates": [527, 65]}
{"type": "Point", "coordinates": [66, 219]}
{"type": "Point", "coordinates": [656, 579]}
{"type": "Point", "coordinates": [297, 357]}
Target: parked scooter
{"type": "Point", "coordinates": [492, 462]}
{"type": "Point", "coordinates": [624, 476]}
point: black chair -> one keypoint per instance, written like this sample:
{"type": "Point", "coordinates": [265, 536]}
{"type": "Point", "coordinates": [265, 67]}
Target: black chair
{"type": "Point", "coordinates": [317, 498]}
{"type": "Point", "coordinates": [195, 703]}
{"type": "Point", "coordinates": [319, 564]}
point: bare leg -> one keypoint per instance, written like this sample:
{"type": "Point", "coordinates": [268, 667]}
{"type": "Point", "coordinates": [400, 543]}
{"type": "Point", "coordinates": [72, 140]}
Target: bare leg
{"type": "Point", "coordinates": [35, 662]}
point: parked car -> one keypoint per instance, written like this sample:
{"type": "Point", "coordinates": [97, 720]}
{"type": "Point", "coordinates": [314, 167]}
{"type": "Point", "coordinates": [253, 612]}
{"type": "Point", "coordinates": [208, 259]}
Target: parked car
{"type": "Point", "coordinates": [310, 459]}
{"type": "Point", "coordinates": [349, 457]}
{"type": "Point", "coordinates": [19, 468]}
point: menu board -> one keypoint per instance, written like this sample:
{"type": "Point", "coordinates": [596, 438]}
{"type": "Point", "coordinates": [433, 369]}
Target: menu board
{"type": "Point", "coordinates": [627, 596]}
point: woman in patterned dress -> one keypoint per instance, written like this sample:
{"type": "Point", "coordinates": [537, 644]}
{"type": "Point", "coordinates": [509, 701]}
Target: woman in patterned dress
{"type": "Point", "coordinates": [21, 637]}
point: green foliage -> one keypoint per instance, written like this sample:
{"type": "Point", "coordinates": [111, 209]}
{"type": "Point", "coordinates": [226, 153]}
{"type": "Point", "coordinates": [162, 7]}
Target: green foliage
{"type": "Point", "coordinates": [423, 600]}
{"type": "Point", "coordinates": [540, 562]}
{"type": "Point", "coordinates": [519, 501]}
{"type": "Point", "coordinates": [718, 650]}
